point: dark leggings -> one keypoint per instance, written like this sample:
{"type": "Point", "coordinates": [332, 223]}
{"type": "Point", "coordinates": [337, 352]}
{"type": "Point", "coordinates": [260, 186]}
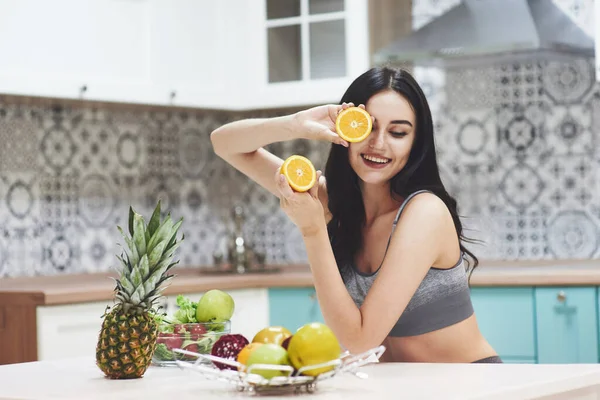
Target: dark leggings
{"type": "Point", "coordinates": [490, 360]}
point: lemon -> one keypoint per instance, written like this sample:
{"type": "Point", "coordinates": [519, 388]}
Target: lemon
{"type": "Point", "coordinates": [314, 343]}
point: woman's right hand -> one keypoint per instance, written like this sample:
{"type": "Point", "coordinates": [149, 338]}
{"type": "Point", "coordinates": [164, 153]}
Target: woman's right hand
{"type": "Point", "coordinates": [318, 123]}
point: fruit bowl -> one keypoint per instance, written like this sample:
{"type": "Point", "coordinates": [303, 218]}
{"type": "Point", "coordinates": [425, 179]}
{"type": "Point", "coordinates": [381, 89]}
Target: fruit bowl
{"type": "Point", "coordinates": [290, 380]}
{"type": "Point", "coordinates": [196, 338]}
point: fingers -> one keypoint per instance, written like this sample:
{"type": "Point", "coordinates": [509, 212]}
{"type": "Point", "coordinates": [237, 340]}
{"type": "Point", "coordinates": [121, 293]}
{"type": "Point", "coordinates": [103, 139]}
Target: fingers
{"type": "Point", "coordinates": [283, 186]}
{"type": "Point", "coordinates": [335, 138]}
{"type": "Point", "coordinates": [345, 105]}
{"type": "Point", "coordinates": [314, 191]}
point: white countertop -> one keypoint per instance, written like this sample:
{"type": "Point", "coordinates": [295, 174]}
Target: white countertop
{"type": "Point", "coordinates": [81, 379]}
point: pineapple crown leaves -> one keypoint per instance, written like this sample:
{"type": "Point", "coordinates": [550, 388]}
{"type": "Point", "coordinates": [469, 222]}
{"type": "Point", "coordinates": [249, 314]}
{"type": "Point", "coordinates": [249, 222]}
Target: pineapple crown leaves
{"type": "Point", "coordinates": [146, 259]}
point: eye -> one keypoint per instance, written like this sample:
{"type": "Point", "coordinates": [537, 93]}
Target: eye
{"type": "Point", "coordinates": [398, 134]}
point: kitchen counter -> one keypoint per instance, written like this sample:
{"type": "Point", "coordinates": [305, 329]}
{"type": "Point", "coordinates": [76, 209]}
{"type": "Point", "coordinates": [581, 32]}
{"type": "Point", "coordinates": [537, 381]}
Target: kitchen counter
{"type": "Point", "coordinates": [81, 379]}
{"type": "Point", "coordinates": [68, 289]}
{"type": "Point", "coordinates": [21, 299]}
{"type": "Point", "coordinates": [537, 273]}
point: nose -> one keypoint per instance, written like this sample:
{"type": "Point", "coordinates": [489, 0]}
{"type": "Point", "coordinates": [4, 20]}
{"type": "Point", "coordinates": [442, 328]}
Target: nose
{"type": "Point", "coordinates": [376, 138]}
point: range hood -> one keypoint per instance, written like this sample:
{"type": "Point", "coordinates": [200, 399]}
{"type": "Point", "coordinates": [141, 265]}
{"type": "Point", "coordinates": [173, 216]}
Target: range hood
{"type": "Point", "coordinates": [492, 30]}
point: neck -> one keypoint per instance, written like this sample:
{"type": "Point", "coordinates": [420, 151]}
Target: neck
{"type": "Point", "coordinates": [377, 200]}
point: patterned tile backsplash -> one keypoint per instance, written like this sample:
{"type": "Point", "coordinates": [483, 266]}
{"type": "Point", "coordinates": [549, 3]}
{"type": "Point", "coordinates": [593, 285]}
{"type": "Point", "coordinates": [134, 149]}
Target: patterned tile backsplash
{"type": "Point", "coordinates": [517, 147]}
{"type": "Point", "coordinates": [68, 173]}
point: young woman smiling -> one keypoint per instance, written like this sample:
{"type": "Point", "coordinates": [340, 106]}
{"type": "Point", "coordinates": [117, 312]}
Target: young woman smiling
{"type": "Point", "coordinates": [382, 235]}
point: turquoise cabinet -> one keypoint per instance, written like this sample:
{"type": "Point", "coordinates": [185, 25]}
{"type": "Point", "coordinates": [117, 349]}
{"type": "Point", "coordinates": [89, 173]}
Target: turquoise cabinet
{"type": "Point", "coordinates": [293, 307]}
{"type": "Point", "coordinates": [567, 327]}
{"type": "Point", "coordinates": [524, 324]}
{"type": "Point", "coordinates": [506, 318]}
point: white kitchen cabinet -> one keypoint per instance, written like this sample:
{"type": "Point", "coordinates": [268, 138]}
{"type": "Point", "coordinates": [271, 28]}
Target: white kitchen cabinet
{"type": "Point", "coordinates": [72, 330]}
{"type": "Point", "coordinates": [69, 330]}
{"type": "Point", "coordinates": [136, 51]}
{"type": "Point", "coordinates": [319, 53]}
{"type": "Point", "coordinates": [187, 43]}
{"type": "Point", "coordinates": [191, 53]}
{"type": "Point", "coordinates": [59, 48]}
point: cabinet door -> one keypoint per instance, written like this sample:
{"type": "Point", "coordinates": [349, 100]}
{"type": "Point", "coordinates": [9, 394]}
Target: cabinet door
{"type": "Point", "coordinates": [69, 330]}
{"type": "Point", "coordinates": [303, 52]}
{"type": "Point", "coordinates": [55, 48]}
{"type": "Point", "coordinates": [189, 38]}
{"type": "Point", "coordinates": [251, 312]}
{"type": "Point", "coordinates": [567, 328]}
{"type": "Point", "coordinates": [293, 307]}
{"type": "Point", "coordinates": [505, 316]}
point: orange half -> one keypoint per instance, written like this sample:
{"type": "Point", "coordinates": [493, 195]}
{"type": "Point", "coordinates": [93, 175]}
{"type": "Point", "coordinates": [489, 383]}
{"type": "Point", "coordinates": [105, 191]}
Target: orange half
{"type": "Point", "coordinates": [353, 124]}
{"type": "Point", "coordinates": [300, 173]}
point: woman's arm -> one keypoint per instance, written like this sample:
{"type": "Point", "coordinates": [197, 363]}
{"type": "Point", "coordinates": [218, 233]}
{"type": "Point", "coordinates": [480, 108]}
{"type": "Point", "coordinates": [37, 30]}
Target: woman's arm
{"type": "Point", "coordinates": [241, 143]}
{"type": "Point", "coordinates": [415, 246]}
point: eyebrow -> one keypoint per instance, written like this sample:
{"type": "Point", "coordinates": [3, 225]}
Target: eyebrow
{"type": "Point", "coordinates": [402, 121]}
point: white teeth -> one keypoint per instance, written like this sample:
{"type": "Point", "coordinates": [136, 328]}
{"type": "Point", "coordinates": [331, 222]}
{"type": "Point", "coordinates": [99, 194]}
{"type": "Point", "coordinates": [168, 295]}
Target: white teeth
{"type": "Point", "coordinates": [376, 159]}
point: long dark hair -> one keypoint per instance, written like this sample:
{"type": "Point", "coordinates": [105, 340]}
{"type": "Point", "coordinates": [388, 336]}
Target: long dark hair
{"type": "Point", "coordinates": [420, 172]}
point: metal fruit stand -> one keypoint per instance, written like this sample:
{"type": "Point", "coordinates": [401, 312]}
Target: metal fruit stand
{"type": "Point", "coordinates": [291, 380]}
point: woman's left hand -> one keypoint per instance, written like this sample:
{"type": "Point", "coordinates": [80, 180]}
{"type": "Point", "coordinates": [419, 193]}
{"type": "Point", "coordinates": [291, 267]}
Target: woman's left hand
{"type": "Point", "coordinates": [304, 209]}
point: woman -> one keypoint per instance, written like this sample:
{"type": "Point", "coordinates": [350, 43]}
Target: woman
{"type": "Point", "coordinates": [382, 235]}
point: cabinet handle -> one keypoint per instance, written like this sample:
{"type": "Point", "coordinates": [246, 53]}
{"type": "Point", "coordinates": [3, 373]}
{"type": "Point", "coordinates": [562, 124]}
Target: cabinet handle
{"type": "Point", "coordinates": [561, 296]}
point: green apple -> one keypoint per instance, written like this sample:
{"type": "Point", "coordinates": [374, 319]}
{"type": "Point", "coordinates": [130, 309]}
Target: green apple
{"type": "Point", "coordinates": [215, 306]}
{"type": "Point", "coordinates": [271, 354]}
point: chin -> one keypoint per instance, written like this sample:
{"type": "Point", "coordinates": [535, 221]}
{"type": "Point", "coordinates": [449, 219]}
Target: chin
{"type": "Point", "coordinates": [374, 178]}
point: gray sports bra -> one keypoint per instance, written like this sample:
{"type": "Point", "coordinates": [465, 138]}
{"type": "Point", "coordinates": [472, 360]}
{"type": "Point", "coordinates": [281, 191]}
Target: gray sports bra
{"type": "Point", "coordinates": [442, 299]}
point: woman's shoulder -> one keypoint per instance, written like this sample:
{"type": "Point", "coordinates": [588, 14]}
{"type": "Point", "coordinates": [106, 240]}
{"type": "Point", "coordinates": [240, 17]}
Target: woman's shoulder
{"type": "Point", "coordinates": [424, 206]}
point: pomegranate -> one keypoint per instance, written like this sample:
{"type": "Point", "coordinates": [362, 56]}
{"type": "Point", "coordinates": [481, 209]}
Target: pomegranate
{"type": "Point", "coordinates": [228, 346]}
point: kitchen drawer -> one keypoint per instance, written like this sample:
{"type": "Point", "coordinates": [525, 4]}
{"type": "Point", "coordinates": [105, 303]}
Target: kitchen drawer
{"type": "Point", "coordinates": [567, 327]}
{"type": "Point", "coordinates": [506, 318]}
{"type": "Point", "coordinates": [69, 330]}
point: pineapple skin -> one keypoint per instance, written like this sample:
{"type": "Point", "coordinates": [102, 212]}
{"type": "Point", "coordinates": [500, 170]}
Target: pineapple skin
{"type": "Point", "coordinates": [126, 344]}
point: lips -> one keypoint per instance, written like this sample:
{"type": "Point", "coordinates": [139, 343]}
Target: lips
{"type": "Point", "coordinates": [371, 158]}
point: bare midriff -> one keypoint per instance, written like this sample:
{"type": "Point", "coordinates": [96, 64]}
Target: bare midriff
{"type": "Point", "coordinates": [458, 343]}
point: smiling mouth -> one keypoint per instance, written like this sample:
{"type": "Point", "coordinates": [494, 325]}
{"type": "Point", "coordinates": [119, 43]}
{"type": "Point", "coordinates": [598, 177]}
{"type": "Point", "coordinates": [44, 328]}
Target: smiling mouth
{"type": "Point", "coordinates": [376, 159]}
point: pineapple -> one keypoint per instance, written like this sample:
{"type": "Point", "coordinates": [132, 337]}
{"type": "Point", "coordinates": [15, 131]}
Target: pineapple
{"type": "Point", "coordinates": [128, 336]}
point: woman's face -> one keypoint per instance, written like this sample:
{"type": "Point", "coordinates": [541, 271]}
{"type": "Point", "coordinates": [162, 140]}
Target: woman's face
{"type": "Point", "coordinates": [385, 151]}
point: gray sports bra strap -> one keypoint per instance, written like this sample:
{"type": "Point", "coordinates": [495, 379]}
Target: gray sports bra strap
{"type": "Point", "coordinates": [404, 203]}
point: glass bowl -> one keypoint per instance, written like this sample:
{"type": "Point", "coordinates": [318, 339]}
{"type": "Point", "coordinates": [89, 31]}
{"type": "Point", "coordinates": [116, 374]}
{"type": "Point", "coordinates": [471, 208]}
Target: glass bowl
{"type": "Point", "coordinates": [194, 337]}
